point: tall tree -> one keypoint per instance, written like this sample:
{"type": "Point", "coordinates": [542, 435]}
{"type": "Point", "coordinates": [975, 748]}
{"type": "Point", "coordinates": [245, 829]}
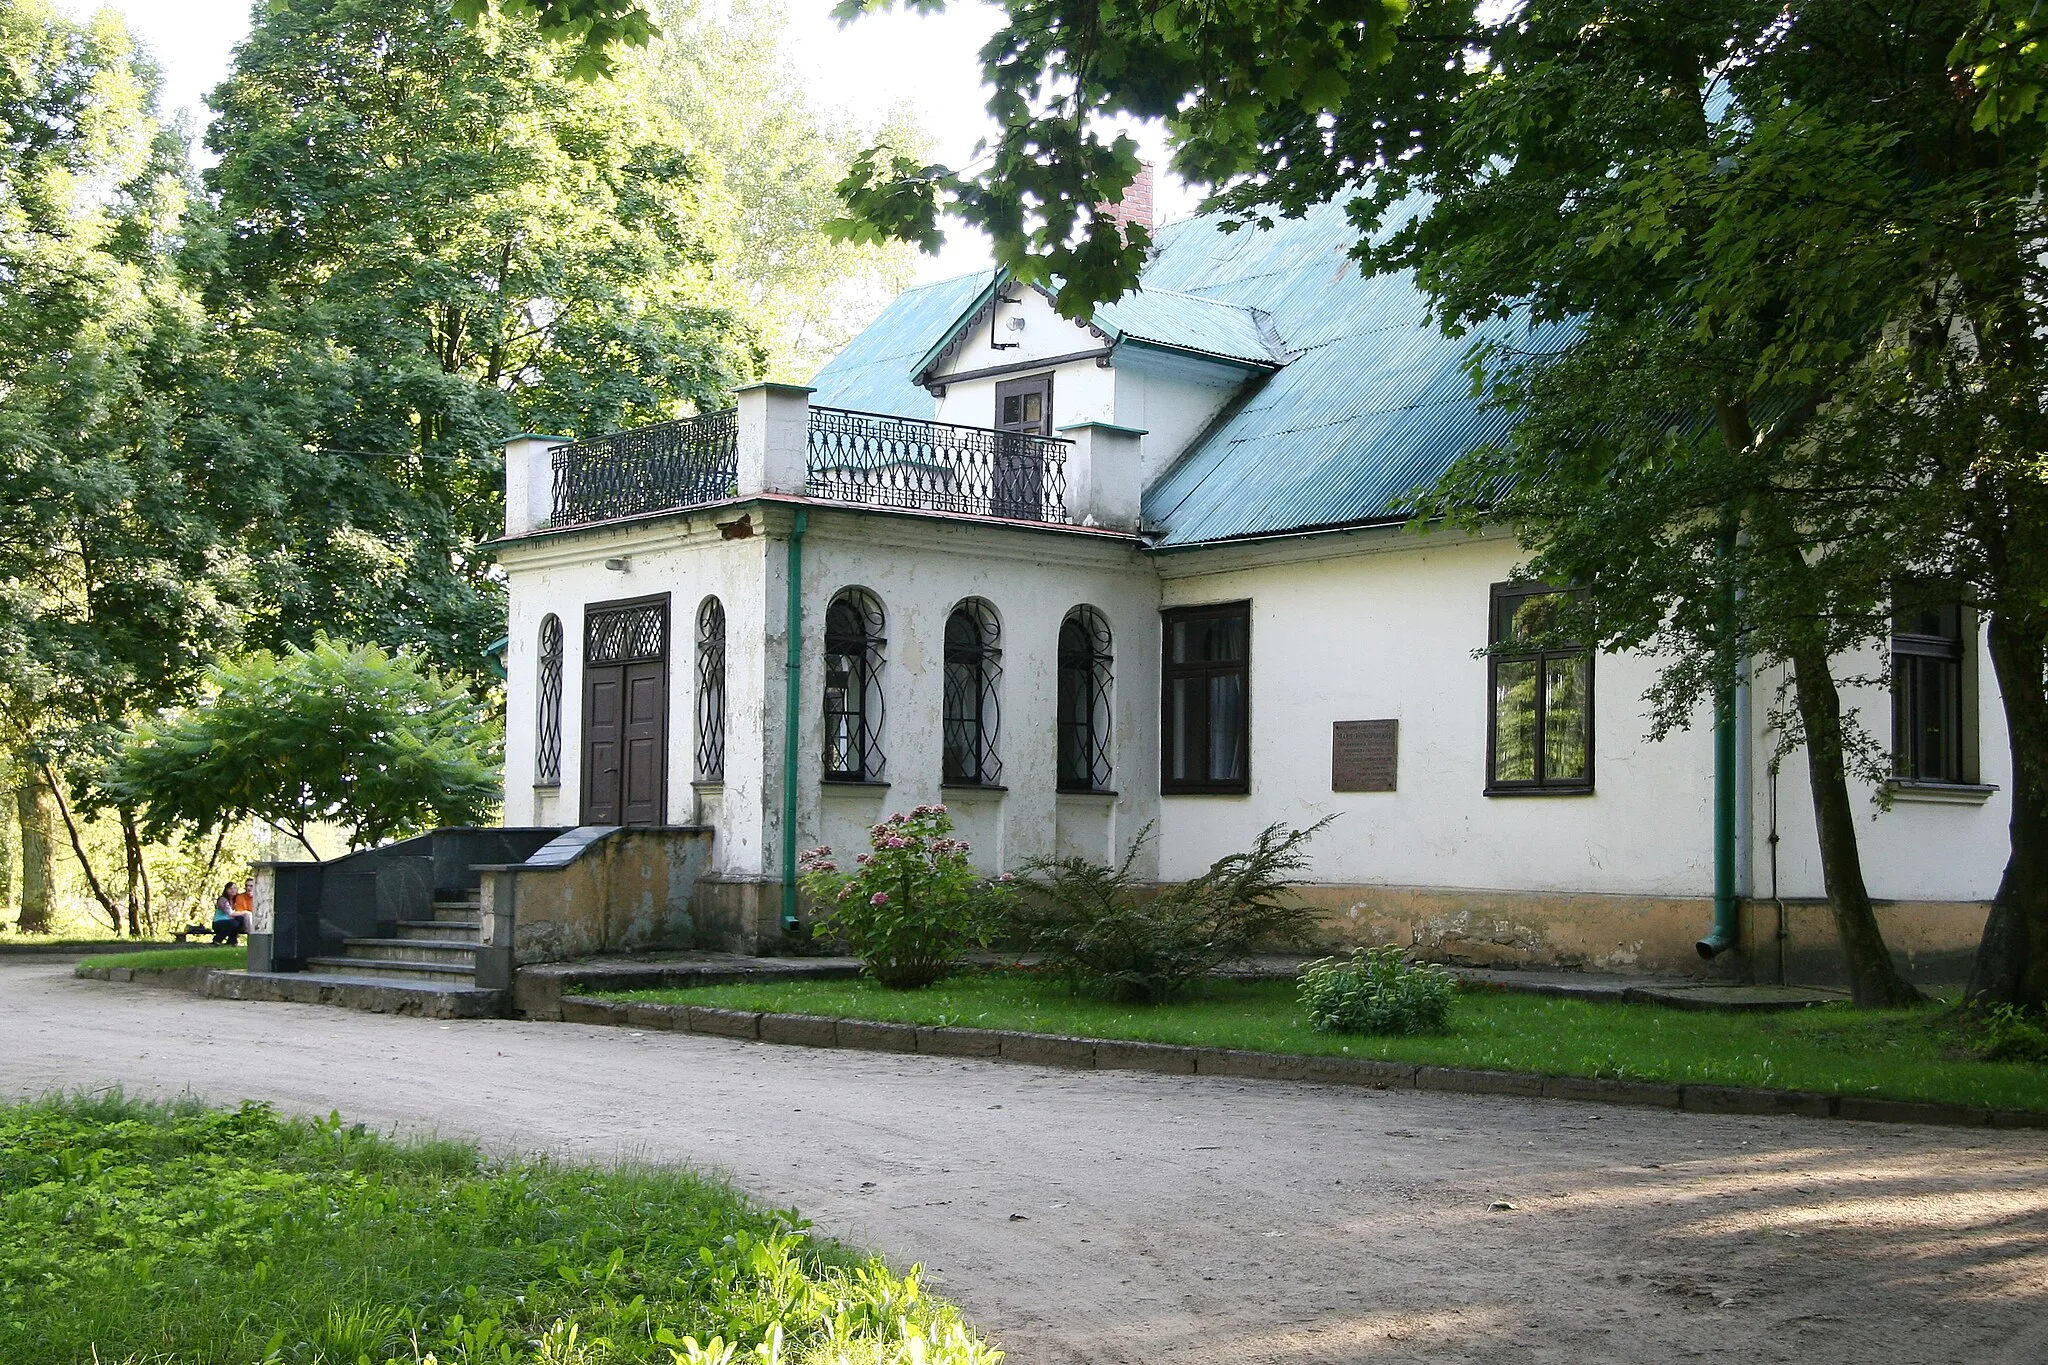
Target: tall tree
{"type": "Point", "coordinates": [778, 157]}
{"type": "Point", "coordinates": [114, 583]}
{"type": "Point", "coordinates": [427, 235]}
{"type": "Point", "coordinates": [1781, 238]}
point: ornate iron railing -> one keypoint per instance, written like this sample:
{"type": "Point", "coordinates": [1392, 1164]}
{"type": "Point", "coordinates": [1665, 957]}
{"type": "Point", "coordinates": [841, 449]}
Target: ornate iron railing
{"type": "Point", "coordinates": [648, 469]}
{"type": "Point", "coordinates": [936, 466]}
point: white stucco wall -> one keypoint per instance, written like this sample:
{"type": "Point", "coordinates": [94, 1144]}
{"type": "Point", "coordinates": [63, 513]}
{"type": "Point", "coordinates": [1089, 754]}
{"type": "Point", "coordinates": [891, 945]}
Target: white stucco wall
{"type": "Point", "coordinates": [1361, 626]}
{"type": "Point", "coordinates": [687, 558]}
{"type": "Point", "coordinates": [920, 570]}
{"type": "Point", "coordinates": [1172, 398]}
{"type": "Point", "coordinates": [1390, 631]}
{"type": "Point", "coordinates": [1918, 850]}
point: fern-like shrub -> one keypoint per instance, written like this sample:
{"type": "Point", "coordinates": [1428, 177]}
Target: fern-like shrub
{"type": "Point", "coordinates": [1374, 991]}
{"type": "Point", "coordinates": [1110, 936]}
{"type": "Point", "coordinates": [2011, 1035]}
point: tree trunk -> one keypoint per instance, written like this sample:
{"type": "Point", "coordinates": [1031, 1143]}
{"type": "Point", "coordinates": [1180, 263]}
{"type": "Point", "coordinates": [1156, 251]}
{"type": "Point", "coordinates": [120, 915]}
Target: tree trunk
{"type": "Point", "coordinates": [38, 854]}
{"type": "Point", "coordinates": [8, 844]}
{"type": "Point", "coordinates": [138, 883]}
{"type": "Point", "coordinates": [1874, 982]}
{"type": "Point", "coordinates": [2012, 958]}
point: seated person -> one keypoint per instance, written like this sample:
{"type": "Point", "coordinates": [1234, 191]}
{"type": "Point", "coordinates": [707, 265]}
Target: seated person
{"type": "Point", "coordinates": [229, 923]}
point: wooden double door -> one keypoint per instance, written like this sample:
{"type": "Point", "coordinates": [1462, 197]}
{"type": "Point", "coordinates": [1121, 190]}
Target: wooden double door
{"type": "Point", "coordinates": [625, 712]}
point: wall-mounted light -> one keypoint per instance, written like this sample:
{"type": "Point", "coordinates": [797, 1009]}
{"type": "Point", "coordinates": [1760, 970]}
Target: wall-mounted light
{"type": "Point", "coordinates": [619, 565]}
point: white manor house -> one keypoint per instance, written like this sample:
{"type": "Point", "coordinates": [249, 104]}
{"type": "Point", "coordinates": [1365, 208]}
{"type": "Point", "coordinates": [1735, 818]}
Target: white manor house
{"type": "Point", "coordinates": [1082, 580]}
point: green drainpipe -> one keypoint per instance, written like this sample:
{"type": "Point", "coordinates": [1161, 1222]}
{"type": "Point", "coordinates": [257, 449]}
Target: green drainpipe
{"type": "Point", "coordinates": [1726, 928]}
{"type": "Point", "coordinates": [792, 699]}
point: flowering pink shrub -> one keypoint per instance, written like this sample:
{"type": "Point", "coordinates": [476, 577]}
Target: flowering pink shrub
{"type": "Point", "coordinates": [913, 903]}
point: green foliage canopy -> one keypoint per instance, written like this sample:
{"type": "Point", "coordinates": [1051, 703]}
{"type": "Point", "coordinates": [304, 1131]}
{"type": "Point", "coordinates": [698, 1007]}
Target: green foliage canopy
{"type": "Point", "coordinates": [336, 733]}
{"type": "Point", "coordinates": [426, 235]}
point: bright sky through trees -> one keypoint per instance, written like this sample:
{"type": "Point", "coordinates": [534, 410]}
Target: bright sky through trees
{"type": "Point", "coordinates": [879, 62]}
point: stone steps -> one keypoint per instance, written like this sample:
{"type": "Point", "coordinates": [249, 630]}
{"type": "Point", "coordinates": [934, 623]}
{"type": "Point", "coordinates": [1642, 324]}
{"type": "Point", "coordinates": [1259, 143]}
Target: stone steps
{"type": "Point", "coordinates": [433, 951]}
{"type": "Point", "coordinates": [379, 969]}
{"type": "Point", "coordinates": [351, 990]}
{"type": "Point", "coordinates": [437, 930]}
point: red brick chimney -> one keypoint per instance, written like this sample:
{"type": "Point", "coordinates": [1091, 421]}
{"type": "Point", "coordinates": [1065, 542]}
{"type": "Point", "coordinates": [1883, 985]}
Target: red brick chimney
{"type": "Point", "coordinates": [1136, 205]}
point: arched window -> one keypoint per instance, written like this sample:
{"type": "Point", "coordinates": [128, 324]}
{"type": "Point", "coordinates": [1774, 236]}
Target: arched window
{"type": "Point", "coordinates": [853, 688]}
{"type": "Point", "coordinates": [1084, 702]}
{"type": "Point", "coordinates": [973, 717]}
{"type": "Point", "coordinates": [547, 745]}
{"type": "Point", "coordinates": [711, 691]}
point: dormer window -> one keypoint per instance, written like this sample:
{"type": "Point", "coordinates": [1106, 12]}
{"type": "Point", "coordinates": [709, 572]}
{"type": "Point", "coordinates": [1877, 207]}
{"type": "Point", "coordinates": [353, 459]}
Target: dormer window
{"type": "Point", "coordinates": [1025, 405]}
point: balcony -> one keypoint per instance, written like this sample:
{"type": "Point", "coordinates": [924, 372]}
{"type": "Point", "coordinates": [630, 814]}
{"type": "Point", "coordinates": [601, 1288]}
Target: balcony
{"type": "Point", "coordinates": [774, 442]}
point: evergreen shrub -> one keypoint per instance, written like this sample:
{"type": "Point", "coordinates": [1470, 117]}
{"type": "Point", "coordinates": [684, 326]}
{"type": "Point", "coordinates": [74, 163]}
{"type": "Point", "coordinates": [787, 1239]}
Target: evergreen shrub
{"type": "Point", "coordinates": [1110, 936]}
{"type": "Point", "coordinates": [1374, 991]}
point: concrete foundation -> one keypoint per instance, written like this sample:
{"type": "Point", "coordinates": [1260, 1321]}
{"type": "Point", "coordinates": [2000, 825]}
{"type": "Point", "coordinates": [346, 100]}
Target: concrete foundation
{"type": "Point", "coordinates": [1932, 940]}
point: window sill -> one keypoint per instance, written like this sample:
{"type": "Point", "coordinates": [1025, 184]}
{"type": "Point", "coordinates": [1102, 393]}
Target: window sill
{"type": "Point", "coordinates": [1107, 793]}
{"type": "Point", "coordinates": [1205, 791]}
{"type": "Point", "coordinates": [709, 784]}
{"type": "Point", "coordinates": [554, 786]}
{"type": "Point", "coordinates": [1539, 791]}
{"type": "Point", "coordinates": [851, 784]}
{"type": "Point", "coordinates": [971, 791]}
{"type": "Point", "coordinates": [1940, 793]}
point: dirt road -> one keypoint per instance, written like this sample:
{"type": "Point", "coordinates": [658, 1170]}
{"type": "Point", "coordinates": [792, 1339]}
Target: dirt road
{"type": "Point", "coordinates": [1115, 1216]}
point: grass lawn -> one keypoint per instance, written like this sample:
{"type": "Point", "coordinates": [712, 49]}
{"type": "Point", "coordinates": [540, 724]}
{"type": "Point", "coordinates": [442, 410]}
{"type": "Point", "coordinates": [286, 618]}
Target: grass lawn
{"type": "Point", "coordinates": [172, 957]}
{"type": "Point", "coordinates": [147, 1235]}
{"type": "Point", "coordinates": [1914, 1055]}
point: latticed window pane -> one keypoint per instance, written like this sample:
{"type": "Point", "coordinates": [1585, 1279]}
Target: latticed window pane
{"type": "Point", "coordinates": [853, 688]}
{"type": "Point", "coordinates": [711, 691]}
{"type": "Point", "coordinates": [627, 635]}
{"type": "Point", "coordinates": [972, 717]}
{"type": "Point", "coordinates": [547, 749]}
{"type": "Point", "coordinates": [1084, 690]}
{"type": "Point", "coordinates": [1540, 703]}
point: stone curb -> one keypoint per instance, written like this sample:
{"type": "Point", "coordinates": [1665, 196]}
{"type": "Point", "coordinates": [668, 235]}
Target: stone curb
{"type": "Point", "coordinates": [169, 978]}
{"type": "Point", "coordinates": [1105, 1054]}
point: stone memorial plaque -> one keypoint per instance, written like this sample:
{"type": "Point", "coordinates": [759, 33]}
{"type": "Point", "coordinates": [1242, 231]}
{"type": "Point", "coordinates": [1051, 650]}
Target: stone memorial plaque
{"type": "Point", "coordinates": [1364, 755]}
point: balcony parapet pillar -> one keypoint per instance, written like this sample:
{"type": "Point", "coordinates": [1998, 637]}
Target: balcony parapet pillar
{"type": "Point", "coordinates": [774, 438]}
{"type": "Point", "coordinates": [530, 482]}
{"type": "Point", "coordinates": [1105, 475]}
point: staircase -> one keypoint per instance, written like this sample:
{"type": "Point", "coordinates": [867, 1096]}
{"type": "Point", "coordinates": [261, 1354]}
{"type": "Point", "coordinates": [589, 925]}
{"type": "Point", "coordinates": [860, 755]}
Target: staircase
{"type": "Point", "coordinates": [393, 929]}
{"type": "Point", "coordinates": [440, 951]}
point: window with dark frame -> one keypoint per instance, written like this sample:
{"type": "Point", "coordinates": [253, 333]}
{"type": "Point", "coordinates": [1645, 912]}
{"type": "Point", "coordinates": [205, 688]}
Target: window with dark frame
{"type": "Point", "coordinates": [1085, 677]}
{"type": "Point", "coordinates": [853, 688]}
{"type": "Point", "coordinates": [972, 713]}
{"type": "Point", "coordinates": [1206, 702]}
{"type": "Point", "coordinates": [711, 691]}
{"type": "Point", "coordinates": [1927, 694]}
{"type": "Point", "coordinates": [547, 748]}
{"type": "Point", "coordinates": [1025, 405]}
{"type": "Point", "coordinates": [1539, 707]}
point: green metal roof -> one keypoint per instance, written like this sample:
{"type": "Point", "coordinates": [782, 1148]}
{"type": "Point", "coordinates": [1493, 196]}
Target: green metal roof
{"type": "Point", "coordinates": [1369, 400]}
{"type": "Point", "coordinates": [1375, 404]}
{"type": "Point", "coordinates": [873, 373]}
{"type": "Point", "coordinates": [1188, 322]}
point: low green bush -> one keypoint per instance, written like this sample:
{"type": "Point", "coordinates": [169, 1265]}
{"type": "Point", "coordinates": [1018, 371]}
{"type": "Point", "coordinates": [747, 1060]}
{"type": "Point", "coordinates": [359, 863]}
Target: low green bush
{"type": "Point", "coordinates": [913, 905]}
{"type": "Point", "coordinates": [169, 1235]}
{"type": "Point", "coordinates": [1109, 936]}
{"type": "Point", "coordinates": [1374, 991]}
{"type": "Point", "coordinates": [2011, 1035]}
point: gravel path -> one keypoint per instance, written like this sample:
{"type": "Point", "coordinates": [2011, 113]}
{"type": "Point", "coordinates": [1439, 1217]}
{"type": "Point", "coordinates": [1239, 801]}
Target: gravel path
{"type": "Point", "coordinates": [1116, 1216]}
